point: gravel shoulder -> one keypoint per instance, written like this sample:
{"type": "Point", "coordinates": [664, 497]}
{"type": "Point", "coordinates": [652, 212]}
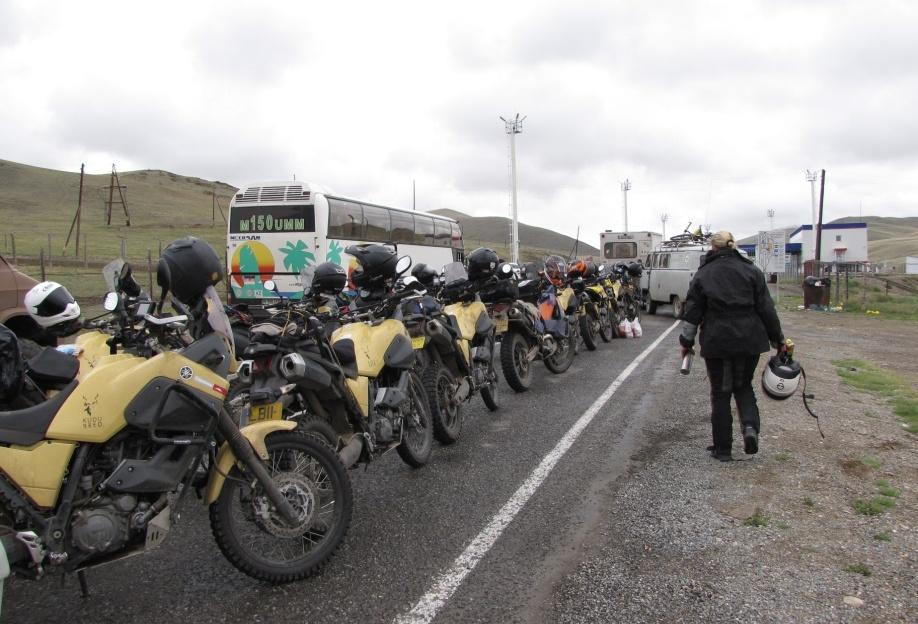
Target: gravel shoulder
{"type": "Point", "coordinates": [675, 543]}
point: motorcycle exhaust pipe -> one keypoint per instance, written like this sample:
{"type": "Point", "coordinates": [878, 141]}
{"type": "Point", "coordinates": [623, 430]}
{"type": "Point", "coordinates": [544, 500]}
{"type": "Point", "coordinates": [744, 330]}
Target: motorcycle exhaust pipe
{"type": "Point", "coordinates": [351, 452]}
{"type": "Point", "coordinates": [439, 334]}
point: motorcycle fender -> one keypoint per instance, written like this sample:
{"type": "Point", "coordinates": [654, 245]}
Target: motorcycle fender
{"type": "Point", "coordinates": [226, 459]}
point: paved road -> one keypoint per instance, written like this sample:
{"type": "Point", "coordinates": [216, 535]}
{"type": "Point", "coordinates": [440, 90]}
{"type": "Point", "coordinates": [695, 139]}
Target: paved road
{"type": "Point", "coordinates": [409, 525]}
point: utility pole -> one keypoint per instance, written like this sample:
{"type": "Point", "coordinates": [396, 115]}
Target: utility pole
{"type": "Point", "coordinates": [663, 219]}
{"type": "Point", "coordinates": [811, 177]}
{"type": "Point", "coordinates": [818, 233]}
{"type": "Point", "coordinates": [115, 183]}
{"type": "Point", "coordinates": [414, 196]}
{"type": "Point", "coordinates": [76, 219]}
{"type": "Point", "coordinates": [626, 186]}
{"type": "Point", "coordinates": [771, 219]}
{"type": "Point", "coordinates": [513, 127]}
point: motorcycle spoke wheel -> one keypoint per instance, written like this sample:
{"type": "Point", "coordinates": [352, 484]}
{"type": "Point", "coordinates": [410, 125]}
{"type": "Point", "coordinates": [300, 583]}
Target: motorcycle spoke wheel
{"type": "Point", "coordinates": [605, 324]}
{"type": "Point", "coordinates": [588, 331]}
{"type": "Point", "coordinates": [514, 360]}
{"type": "Point", "coordinates": [417, 429]}
{"type": "Point", "coordinates": [445, 411]}
{"type": "Point", "coordinates": [257, 539]}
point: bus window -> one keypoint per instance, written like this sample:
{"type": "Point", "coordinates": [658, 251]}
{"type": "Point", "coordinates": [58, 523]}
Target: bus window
{"type": "Point", "coordinates": [423, 230]}
{"type": "Point", "coordinates": [663, 261]}
{"type": "Point", "coordinates": [615, 251]}
{"type": "Point", "coordinates": [402, 227]}
{"type": "Point", "coordinates": [376, 223]}
{"type": "Point", "coordinates": [345, 219]}
{"type": "Point", "coordinates": [456, 239]}
{"type": "Point", "coordinates": [444, 235]}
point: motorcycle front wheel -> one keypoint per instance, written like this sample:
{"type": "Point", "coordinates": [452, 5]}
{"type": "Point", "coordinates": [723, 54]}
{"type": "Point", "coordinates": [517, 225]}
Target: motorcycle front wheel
{"type": "Point", "coordinates": [264, 545]}
{"type": "Point", "coordinates": [561, 360]}
{"type": "Point", "coordinates": [588, 331]}
{"type": "Point", "coordinates": [606, 330]}
{"type": "Point", "coordinates": [417, 434]}
{"type": "Point", "coordinates": [514, 360]}
{"type": "Point", "coordinates": [445, 410]}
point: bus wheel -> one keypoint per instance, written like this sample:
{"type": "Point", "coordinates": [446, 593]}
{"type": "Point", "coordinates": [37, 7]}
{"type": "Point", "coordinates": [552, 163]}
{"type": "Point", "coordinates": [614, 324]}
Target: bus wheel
{"type": "Point", "coordinates": [678, 307]}
{"type": "Point", "coordinates": [651, 307]}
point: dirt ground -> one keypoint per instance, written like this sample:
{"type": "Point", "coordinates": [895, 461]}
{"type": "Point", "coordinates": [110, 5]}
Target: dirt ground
{"type": "Point", "coordinates": [773, 537]}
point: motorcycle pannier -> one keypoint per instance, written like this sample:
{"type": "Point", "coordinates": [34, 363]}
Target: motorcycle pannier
{"type": "Point", "coordinates": [530, 289]}
{"type": "Point", "coordinates": [501, 290]}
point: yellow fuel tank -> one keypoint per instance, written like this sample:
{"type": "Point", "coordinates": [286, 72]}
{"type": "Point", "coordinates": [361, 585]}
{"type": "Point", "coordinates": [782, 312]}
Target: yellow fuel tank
{"type": "Point", "coordinates": [37, 470]}
{"type": "Point", "coordinates": [564, 297]}
{"type": "Point", "coordinates": [94, 412]}
{"type": "Point", "coordinates": [370, 343]}
{"type": "Point", "coordinates": [467, 315]}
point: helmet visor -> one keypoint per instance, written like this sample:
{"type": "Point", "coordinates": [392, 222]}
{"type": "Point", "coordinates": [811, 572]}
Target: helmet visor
{"type": "Point", "coordinates": [55, 302]}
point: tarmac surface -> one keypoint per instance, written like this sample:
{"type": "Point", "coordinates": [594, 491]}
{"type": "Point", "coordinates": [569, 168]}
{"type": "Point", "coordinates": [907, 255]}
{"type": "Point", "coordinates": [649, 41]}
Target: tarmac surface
{"type": "Point", "coordinates": [409, 526]}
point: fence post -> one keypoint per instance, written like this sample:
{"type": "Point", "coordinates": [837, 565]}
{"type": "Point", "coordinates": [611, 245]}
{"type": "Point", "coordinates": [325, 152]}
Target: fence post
{"type": "Point", "coordinates": [123, 252]}
{"type": "Point", "coordinates": [13, 242]}
{"type": "Point", "coordinates": [85, 245]}
{"type": "Point", "coordinates": [50, 263]}
{"type": "Point", "coordinates": [41, 262]}
{"type": "Point", "coordinates": [160, 248]}
{"type": "Point", "coordinates": [150, 269]}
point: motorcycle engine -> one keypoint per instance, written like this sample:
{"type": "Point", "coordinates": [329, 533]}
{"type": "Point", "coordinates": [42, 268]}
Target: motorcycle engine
{"type": "Point", "coordinates": [382, 429]}
{"type": "Point", "coordinates": [103, 527]}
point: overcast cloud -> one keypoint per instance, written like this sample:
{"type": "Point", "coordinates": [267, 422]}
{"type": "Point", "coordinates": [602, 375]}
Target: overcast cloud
{"type": "Point", "coordinates": [713, 110]}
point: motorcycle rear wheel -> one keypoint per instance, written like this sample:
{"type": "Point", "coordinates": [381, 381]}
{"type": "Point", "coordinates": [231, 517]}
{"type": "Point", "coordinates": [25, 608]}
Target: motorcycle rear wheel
{"type": "Point", "coordinates": [514, 360]}
{"type": "Point", "coordinates": [417, 437]}
{"type": "Point", "coordinates": [445, 411]}
{"type": "Point", "coordinates": [263, 545]}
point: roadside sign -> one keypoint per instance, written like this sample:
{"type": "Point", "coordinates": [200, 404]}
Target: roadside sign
{"type": "Point", "coordinates": [770, 251]}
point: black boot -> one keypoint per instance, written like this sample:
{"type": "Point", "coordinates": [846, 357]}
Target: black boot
{"type": "Point", "coordinates": [722, 454]}
{"type": "Point", "coordinates": [750, 440]}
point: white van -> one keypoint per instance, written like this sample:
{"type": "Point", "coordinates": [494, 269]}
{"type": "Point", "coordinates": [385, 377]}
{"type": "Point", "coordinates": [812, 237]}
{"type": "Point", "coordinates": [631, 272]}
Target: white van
{"type": "Point", "coordinates": [668, 271]}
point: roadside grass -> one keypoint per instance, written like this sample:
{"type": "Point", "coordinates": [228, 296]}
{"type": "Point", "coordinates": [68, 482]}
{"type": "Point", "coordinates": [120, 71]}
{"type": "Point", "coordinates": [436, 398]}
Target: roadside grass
{"type": "Point", "coordinates": [782, 456]}
{"type": "Point", "coordinates": [886, 499]}
{"type": "Point", "coordinates": [871, 462]}
{"type": "Point", "coordinates": [867, 508]}
{"type": "Point", "coordinates": [882, 537]}
{"type": "Point", "coordinates": [894, 306]}
{"type": "Point", "coordinates": [757, 519]}
{"type": "Point", "coordinates": [868, 377]}
{"type": "Point", "coordinates": [808, 502]}
{"type": "Point", "coordinates": [858, 568]}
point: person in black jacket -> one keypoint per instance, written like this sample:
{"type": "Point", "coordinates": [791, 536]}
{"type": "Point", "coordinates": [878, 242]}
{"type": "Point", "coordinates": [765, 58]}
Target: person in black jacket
{"type": "Point", "coordinates": [729, 301]}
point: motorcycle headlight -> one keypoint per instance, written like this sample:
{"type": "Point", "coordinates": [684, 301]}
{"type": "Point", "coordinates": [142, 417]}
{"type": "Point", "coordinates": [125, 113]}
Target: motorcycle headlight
{"type": "Point", "coordinates": [244, 372]}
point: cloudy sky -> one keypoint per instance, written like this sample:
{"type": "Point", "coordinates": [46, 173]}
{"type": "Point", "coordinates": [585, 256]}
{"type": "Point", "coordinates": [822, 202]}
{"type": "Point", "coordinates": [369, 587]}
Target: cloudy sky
{"type": "Point", "coordinates": [713, 110]}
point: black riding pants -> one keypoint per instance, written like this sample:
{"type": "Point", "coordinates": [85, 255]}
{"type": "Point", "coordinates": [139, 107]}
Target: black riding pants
{"type": "Point", "coordinates": [731, 377]}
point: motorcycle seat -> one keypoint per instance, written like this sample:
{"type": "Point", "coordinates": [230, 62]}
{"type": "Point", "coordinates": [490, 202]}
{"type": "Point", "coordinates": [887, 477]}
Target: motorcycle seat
{"type": "Point", "coordinates": [344, 349]}
{"type": "Point", "coordinates": [28, 426]}
{"type": "Point", "coordinates": [52, 369]}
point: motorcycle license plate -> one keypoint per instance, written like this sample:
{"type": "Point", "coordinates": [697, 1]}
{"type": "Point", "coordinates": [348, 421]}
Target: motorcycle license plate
{"type": "Point", "coordinates": [501, 324]}
{"type": "Point", "coordinates": [260, 413]}
{"type": "Point", "coordinates": [417, 342]}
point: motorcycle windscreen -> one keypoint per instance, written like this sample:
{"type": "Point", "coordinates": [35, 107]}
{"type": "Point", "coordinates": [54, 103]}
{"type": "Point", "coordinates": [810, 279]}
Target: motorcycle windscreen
{"type": "Point", "coordinates": [111, 272]}
{"type": "Point", "coordinates": [219, 321]}
{"type": "Point", "coordinates": [454, 273]}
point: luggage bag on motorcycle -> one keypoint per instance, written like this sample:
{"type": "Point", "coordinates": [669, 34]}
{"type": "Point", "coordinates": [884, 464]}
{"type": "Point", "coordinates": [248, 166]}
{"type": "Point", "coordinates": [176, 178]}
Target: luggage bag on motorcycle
{"type": "Point", "coordinates": [501, 290]}
{"type": "Point", "coordinates": [529, 290]}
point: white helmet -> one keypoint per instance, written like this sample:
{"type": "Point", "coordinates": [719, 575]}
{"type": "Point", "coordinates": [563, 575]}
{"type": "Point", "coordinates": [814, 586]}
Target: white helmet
{"type": "Point", "coordinates": [53, 307]}
{"type": "Point", "coordinates": [781, 376]}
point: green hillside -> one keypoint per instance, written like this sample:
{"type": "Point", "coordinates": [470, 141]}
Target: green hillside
{"type": "Point", "coordinates": [36, 202]}
{"type": "Point", "coordinates": [494, 232]}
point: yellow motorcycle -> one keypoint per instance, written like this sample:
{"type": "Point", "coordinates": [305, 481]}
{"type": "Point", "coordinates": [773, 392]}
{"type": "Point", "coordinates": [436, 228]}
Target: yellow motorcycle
{"type": "Point", "coordinates": [97, 472]}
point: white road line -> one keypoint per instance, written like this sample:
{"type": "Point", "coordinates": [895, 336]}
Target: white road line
{"type": "Point", "coordinates": [447, 583]}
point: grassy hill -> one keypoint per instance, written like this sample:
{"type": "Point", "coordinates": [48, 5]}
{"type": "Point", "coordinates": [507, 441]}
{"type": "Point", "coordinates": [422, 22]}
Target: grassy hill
{"type": "Point", "coordinates": [36, 202]}
{"type": "Point", "coordinates": [494, 232]}
{"type": "Point", "coordinates": [889, 239]}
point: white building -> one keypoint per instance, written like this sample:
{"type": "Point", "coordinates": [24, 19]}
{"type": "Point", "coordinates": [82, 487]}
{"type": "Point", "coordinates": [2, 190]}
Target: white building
{"type": "Point", "coordinates": [842, 244]}
{"type": "Point", "coordinates": [911, 265]}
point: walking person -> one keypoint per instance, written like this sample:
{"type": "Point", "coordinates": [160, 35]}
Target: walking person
{"type": "Point", "coordinates": [729, 302]}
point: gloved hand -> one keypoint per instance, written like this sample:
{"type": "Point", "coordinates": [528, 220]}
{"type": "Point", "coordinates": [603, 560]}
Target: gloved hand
{"type": "Point", "coordinates": [687, 345]}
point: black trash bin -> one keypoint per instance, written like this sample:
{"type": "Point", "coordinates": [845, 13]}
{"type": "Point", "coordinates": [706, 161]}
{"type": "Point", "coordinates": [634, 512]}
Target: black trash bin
{"type": "Point", "coordinates": [816, 291]}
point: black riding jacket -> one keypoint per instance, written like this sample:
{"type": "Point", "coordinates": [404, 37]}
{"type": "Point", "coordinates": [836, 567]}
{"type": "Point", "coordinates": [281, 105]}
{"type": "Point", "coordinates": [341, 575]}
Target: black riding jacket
{"type": "Point", "coordinates": [729, 300]}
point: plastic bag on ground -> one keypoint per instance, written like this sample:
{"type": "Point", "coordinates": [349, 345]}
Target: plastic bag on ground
{"type": "Point", "coordinates": [621, 329]}
{"type": "Point", "coordinates": [636, 327]}
{"type": "Point", "coordinates": [629, 330]}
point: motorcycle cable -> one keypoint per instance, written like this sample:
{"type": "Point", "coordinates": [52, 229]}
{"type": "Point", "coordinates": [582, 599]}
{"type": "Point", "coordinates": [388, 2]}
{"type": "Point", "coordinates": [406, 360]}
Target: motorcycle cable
{"type": "Point", "coordinates": [807, 405]}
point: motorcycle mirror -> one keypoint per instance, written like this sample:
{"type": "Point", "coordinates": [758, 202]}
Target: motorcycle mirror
{"type": "Point", "coordinates": [110, 301]}
{"type": "Point", "coordinates": [270, 285]}
{"type": "Point", "coordinates": [403, 264]}
{"type": "Point", "coordinates": [601, 268]}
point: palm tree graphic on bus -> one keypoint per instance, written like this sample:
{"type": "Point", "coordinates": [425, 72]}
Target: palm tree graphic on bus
{"type": "Point", "coordinates": [297, 257]}
{"type": "Point", "coordinates": [334, 252]}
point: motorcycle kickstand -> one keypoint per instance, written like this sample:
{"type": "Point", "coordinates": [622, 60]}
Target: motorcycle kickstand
{"type": "Point", "coordinates": [84, 586]}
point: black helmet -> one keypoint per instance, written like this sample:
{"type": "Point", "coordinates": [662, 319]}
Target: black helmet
{"type": "Point", "coordinates": [11, 367]}
{"type": "Point", "coordinates": [424, 274]}
{"type": "Point", "coordinates": [377, 263]}
{"type": "Point", "coordinates": [187, 267]}
{"type": "Point", "coordinates": [329, 279]}
{"type": "Point", "coordinates": [591, 269]}
{"type": "Point", "coordinates": [635, 269]}
{"type": "Point", "coordinates": [482, 263]}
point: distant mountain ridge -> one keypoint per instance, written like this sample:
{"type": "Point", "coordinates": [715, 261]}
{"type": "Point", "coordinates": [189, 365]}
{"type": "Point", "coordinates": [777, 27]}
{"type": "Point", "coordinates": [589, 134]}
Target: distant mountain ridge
{"type": "Point", "coordinates": [494, 232]}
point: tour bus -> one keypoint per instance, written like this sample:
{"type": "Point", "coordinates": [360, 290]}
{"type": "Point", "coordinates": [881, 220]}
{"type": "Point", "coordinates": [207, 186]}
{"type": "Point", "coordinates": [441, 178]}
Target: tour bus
{"type": "Point", "coordinates": [276, 229]}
